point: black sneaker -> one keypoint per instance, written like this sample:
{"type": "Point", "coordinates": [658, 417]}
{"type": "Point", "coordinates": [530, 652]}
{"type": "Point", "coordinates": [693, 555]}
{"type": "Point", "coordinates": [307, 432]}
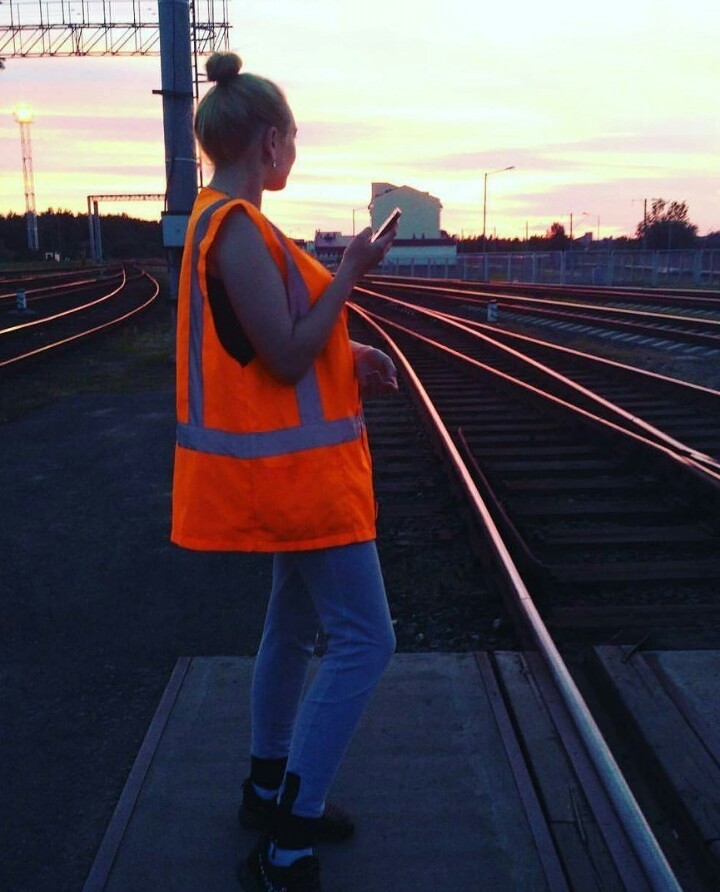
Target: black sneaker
{"type": "Point", "coordinates": [257, 874]}
{"type": "Point", "coordinates": [256, 813]}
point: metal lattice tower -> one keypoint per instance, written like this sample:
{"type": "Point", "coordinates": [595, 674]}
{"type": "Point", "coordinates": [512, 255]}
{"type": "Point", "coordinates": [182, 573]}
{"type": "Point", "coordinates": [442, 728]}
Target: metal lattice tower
{"type": "Point", "coordinates": [179, 31]}
{"type": "Point", "coordinates": [24, 118]}
{"type": "Point", "coordinates": [104, 28]}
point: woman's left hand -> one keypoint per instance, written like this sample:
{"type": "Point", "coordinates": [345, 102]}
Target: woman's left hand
{"type": "Point", "coordinates": [375, 370]}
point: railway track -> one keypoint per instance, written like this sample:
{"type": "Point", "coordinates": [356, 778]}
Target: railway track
{"type": "Point", "coordinates": [698, 327]}
{"type": "Point", "coordinates": [682, 299]}
{"type": "Point", "coordinates": [571, 507]}
{"type": "Point", "coordinates": [586, 820]}
{"type": "Point", "coordinates": [63, 313]}
{"type": "Point", "coordinates": [707, 300]}
{"type": "Point", "coordinates": [52, 291]}
{"type": "Point", "coordinates": [689, 414]}
{"type": "Point", "coordinates": [682, 415]}
{"type": "Point", "coordinates": [573, 489]}
{"type": "Point", "coordinates": [10, 282]}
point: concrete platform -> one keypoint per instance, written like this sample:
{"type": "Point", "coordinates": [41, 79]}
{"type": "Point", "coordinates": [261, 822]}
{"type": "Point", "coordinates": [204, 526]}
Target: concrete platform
{"type": "Point", "coordinates": [669, 701]}
{"type": "Point", "coordinates": [437, 795]}
{"type": "Point", "coordinates": [697, 674]}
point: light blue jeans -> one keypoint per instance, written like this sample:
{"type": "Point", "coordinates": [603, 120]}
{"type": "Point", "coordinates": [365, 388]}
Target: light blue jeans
{"type": "Point", "coordinates": [341, 590]}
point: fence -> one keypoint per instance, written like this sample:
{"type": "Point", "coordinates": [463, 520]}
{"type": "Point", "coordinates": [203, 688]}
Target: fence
{"type": "Point", "coordinates": [699, 268]}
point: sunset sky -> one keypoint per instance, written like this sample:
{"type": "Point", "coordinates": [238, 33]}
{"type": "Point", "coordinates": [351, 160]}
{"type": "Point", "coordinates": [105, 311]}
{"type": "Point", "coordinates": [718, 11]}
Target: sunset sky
{"type": "Point", "coordinates": [598, 106]}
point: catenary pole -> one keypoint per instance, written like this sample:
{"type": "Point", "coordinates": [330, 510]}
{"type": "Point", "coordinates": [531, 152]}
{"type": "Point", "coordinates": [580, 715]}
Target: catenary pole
{"type": "Point", "coordinates": [91, 227]}
{"type": "Point", "coordinates": [97, 236]}
{"type": "Point", "coordinates": [180, 157]}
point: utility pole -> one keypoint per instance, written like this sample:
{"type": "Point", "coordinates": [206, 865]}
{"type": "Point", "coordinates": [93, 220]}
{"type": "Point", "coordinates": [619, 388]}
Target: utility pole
{"type": "Point", "coordinates": [180, 158]}
{"type": "Point", "coordinates": [23, 116]}
{"type": "Point", "coordinates": [644, 223]}
{"type": "Point", "coordinates": [644, 201]}
{"type": "Point", "coordinates": [486, 175]}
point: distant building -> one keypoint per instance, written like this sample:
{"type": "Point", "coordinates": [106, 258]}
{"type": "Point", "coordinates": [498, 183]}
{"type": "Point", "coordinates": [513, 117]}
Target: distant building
{"type": "Point", "coordinates": [421, 211]}
{"type": "Point", "coordinates": [419, 237]}
{"type": "Point", "coordinates": [329, 247]}
{"type": "Point", "coordinates": [419, 240]}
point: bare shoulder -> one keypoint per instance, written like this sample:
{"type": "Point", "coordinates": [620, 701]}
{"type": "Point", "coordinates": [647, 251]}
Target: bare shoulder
{"type": "Point", "coordinates": [239, 248]}
{"type": "Point", "coordinates": [240, 257]}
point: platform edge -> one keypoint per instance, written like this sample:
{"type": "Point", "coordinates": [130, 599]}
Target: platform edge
{"type": "Point", "coordinates": [105, 858]}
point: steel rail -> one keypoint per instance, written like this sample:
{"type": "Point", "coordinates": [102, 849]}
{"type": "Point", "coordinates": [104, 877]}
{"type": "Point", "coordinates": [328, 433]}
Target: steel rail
{"type": "Point", "coordinates": [64, 286]}
{"type": "Point", "coordinates": [24, 325]}
{"type": "Point", "coordinates": [17, 275]}
{"type": "Point", "coordinates": [660, 330]}
{"type": "Point", "coordinates": [679, 460]}
{"type": "Point", "coordinates": [672, 443]}
{"type": "Point", "coordinates": [712, 324]}
{"type": "Point", "coordinates": [670, 296]}
{"type": "Point", "coordinates": [38, 276]}
{"type": "Point", "coordinates": [646, 847]}
{"type": "Point", "coordinates": [89, 331]}
{"type": "Point", "coordinates": [47, 292]}
{"type": "Point", "coordinates": [689, 386]}
{"type": "Point", "coordinates": [652, 378]}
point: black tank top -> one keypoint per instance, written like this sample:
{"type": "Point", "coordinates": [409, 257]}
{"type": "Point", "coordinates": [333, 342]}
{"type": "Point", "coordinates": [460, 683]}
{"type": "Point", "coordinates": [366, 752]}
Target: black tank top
{"type": "Point", "coordinates": [230, 332]}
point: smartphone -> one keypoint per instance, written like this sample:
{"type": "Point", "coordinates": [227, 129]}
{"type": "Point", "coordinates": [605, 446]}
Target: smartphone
{"type": "Point", "coordinates": [387, 225]}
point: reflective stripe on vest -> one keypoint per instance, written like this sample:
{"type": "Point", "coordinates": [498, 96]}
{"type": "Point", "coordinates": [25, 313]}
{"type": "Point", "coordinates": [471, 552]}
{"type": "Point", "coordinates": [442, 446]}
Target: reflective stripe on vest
{"type": "Point", "coordinates": [312, 432]}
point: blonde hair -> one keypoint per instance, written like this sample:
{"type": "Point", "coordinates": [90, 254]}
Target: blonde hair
{"type": "Point", "coordinates": [235, 110]}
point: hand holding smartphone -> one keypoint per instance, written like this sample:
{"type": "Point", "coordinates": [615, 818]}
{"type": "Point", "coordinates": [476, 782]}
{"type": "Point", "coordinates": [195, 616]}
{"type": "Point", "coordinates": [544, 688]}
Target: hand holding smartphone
{"type": "Point", "coordinates": [387, 225]}
{"type": "Point", "coordinates": [363, 254]}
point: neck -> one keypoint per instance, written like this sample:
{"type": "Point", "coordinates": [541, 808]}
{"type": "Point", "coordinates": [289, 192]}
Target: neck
{"type": "Point", "coordinates": [239, 181]}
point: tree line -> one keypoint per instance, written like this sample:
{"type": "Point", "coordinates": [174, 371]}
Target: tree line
{"type": "Point", "coordinates": [667, 225]}
{"type": "Point", "coordinates": [65, 235]}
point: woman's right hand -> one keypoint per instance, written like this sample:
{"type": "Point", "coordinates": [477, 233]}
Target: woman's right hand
{"type": "Point", "coordinates": [362, 255]}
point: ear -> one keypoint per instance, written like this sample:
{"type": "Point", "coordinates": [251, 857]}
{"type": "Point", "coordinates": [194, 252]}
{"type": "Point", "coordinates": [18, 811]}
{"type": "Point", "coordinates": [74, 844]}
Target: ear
{"type": "Point", "coordinates": [270, 142]}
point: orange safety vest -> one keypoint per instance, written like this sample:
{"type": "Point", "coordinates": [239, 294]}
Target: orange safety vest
{"type": "Point", "coordinates": [262, 465]}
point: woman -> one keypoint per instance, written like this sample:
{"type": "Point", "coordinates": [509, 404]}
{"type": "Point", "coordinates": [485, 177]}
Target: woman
{"type": "Point", "coordinates": [272, 456]}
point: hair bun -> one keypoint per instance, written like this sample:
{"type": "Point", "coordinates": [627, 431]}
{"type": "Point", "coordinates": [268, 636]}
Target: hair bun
{"type": "Point", "coordinates": [223, 67]}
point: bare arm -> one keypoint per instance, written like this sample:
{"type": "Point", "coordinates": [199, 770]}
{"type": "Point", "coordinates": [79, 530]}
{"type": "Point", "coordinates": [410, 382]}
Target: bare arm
{"type": "Point", "coordinates": [257, 293]}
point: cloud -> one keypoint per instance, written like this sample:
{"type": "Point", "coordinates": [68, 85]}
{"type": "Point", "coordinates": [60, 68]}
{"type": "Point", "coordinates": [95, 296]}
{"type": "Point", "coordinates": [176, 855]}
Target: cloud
{"type": "Point", "coordinates": [592, 115]}
{"type": "Point", "coordinates": [641, 149]}
{"type": "Point", "coordinates": [333, 133]}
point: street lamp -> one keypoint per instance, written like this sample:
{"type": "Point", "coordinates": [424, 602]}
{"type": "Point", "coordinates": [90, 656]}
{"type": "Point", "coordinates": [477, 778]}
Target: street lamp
{"type": "Point", "coordinates": [486, 175]}
{"type": "Point", "coordinates": [363, 208]}
{"type": "Point", "coordinates": [23, 114]}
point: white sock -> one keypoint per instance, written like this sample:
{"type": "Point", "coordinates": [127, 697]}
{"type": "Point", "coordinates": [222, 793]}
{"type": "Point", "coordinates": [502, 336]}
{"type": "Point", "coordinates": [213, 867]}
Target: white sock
{"type": "Point", "coordinates": [285, 857]}
{"type": "Point", "coordinates": [264, 793]}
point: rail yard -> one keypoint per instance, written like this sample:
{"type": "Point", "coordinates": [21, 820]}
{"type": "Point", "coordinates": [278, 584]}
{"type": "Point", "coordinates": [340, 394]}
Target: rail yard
{"type": "Point", "coordinates": [549, 521]}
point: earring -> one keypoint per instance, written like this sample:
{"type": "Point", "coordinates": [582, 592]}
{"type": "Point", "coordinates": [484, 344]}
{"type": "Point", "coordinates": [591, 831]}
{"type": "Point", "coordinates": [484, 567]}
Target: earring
{"type": "Point", "coordinates": [274, 164]}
